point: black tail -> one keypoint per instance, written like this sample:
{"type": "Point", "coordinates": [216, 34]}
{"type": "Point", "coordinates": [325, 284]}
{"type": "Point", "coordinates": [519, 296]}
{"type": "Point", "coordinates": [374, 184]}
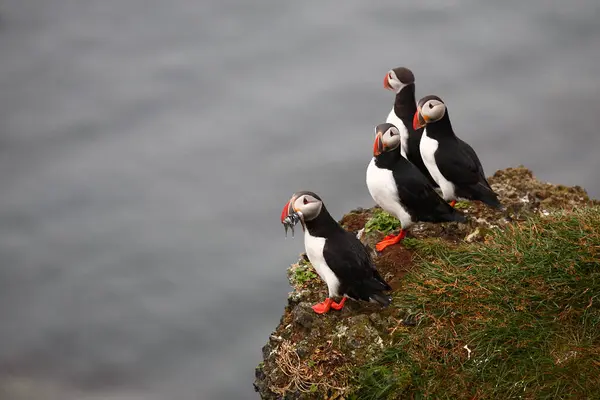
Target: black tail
{"type": "Point", "coordinates": [372, 289]}
{"type": "Point", "coordinates": [380, 283]}
{"type": "Point", "coordinates": [456, 216]}
{"type": "Point", "coordinates": [376, 286]}
{"type": "Point", "coordinates": [486, 195]}
{"type": "Point", "coordinates": [382, 299]}
{"type": "Point", "coordinates": [444, 212]}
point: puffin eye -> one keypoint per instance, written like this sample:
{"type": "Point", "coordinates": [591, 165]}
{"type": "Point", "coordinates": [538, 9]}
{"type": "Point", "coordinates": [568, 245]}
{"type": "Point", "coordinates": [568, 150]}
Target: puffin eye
{"type": "Point", "coordinates": [392, 133]}
{"type": "Point", "coordinates": [390, 75]}
{"type": "Point", "coordinates": [430, 106]}
{"type": "Point", "coordinates": [305, 201]}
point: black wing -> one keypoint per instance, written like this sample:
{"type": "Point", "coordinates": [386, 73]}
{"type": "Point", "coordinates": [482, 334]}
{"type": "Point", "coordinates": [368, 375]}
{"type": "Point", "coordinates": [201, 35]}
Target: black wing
{"type": "Point", "coordinates": [419, 197]}
{"type": "Point", "coordinates": [352, 264]}
{"type": "Point", "coordinates": [468, 150]}
{"type": "Point", "coordinates": [459, 163]}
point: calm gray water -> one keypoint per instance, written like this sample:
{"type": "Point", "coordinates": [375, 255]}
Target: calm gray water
{"type": "Point", "coordinates": [147, 148]}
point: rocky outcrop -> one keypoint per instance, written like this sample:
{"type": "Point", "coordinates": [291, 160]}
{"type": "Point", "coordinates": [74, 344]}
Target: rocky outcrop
{"type": "Point", "coordinates": [313, 356]}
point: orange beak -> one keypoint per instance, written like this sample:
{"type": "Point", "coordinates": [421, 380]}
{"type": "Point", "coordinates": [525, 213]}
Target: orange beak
{"type": "Point", "coordinates": [386, 83]}
{"type": "Point", "coordinates": [378, 145]}
{"type": "Point", "coordinates": [419, 120]}
{"type": "Point", "coordinates": [286, 211]}
{"type": "Point", "coordinates": [290, 216]}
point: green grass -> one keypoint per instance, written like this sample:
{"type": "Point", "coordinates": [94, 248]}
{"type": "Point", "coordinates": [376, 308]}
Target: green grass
{"type": "Point", "coordinates": [461, 205]}
{"type": "Point", "coordinates": [304, 273]}
{"type": "Point", "coordinates": [382, 221]}
{"type": "Point", "coordinates": [526, 303]}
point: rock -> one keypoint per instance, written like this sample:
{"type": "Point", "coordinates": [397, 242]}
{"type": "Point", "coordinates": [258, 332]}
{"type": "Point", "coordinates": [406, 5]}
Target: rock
{"type": "Point", "coordinates": [303, 315]}
{"type": "Point", "coordinates": [303, 349]}
{"type": "Point", "coordinates": [360, 338]}
{"type": "Point", "coordinates": [474, 236]}
{"type": "Point", "coordinates": [375, 318]}
{"type": "Point", "coordinates": [266, 351]}
{"type": "Point", "coordinates": [296, 297]}
{"type": "Point", "coordinates": [360, 233]}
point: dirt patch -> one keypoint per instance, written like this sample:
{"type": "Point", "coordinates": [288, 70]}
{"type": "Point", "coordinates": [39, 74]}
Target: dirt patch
{"type": "Point", "coordinates": [394, 262]}
{"type": "Point", "coordinates": [355, 220]}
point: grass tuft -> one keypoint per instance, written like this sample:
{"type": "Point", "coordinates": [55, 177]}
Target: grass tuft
{"type": "Point", "coordinates": [303, 273]}
{"type": "Point", "coordinates": [517, 316]}
{"type": "Point", "coordinates": [462, 205]}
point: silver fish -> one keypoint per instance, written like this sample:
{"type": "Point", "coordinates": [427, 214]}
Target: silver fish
{"type": "Point", "coordinates": [290, 221]}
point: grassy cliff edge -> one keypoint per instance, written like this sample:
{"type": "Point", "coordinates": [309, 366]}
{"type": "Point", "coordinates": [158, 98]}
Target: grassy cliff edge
{"type": "Point", "coordinates": [505, 306]}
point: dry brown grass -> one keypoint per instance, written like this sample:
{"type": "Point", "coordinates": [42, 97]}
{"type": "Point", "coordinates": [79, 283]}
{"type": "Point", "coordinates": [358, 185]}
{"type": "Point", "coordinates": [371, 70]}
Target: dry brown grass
{"type": "Point", "coordinates": [312, 374]}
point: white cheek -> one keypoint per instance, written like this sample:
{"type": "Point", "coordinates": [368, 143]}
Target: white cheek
{"type": "Point", "coordinates": [393, 142]}
{"type": "Point", "coordinates": [302, 208]}
{"type": "Point", "coordinates": [434, 113]}
{"type": "Point", "coordinates": [397, 85]}
{"type": "Point", "coordinates": [439, 112]}
{"type": "Point", "coordinates": [311, 210]}
{"type": "Point", "coordinates": [317, 209]}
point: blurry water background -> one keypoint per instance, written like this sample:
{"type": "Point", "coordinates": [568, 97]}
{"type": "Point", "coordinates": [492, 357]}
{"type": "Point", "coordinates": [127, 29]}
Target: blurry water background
{"type": "Point", "coordinates": [147, 148]}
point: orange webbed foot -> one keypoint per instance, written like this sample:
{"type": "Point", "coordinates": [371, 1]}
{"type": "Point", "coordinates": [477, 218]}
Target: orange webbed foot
{"type": "Point", "coordinates": [322, 308]}
{"type": "Point", "coordinates": [340, 305]}
{"type": "Point", "coordinates": [388, 242]}
{"type": "Point", "coordinates": [452, 203]}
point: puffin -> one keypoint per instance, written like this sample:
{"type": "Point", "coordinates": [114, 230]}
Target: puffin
{"type": "Point", "coordinates": [401, 80]}
{"type": "Point", "coordinates": [399, 188]}
{"type": "Point", "coordinates": [338, 256]}
{"type": "Point", "coordinates": [451, 162]}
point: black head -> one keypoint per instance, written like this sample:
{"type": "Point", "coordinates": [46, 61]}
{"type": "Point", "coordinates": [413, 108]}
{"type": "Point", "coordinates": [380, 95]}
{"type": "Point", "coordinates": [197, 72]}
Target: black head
{"type": "Point", "coordinates": [398, 78]}
{"type": "Point", "coordinates": [308, 204]}
{"type": "Point", "coordinates": [387, 138]}
{"type": "Point", "coordinates": [427, 98]}
{"type": "Point", "coordinates": [429, 109]}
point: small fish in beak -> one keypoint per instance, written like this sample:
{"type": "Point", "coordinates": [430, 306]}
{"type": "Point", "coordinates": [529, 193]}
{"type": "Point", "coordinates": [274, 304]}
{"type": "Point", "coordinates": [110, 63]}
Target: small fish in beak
{"type": "Point", "coordinates": [290, 221]}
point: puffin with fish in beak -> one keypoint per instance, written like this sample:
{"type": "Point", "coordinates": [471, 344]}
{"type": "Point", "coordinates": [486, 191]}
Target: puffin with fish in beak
{"type": "Point", "coordinates": [338, 256]}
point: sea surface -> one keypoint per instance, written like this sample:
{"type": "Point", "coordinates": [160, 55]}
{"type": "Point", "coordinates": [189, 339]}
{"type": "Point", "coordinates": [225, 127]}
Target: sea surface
{"type": "Point", "coordinates": [147, 148]}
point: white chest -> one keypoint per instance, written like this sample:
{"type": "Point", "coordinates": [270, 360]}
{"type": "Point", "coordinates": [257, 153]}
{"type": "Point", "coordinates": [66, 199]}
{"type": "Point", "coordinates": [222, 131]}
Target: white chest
{"type": "Point", "coordinates": [428, 147]}
{"type": "Point", "coordinates": [393, 119]}
{"type": "Point", "coordinates": [383, 190]}
{"type": "Point", "coordinates": [314, 250]}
